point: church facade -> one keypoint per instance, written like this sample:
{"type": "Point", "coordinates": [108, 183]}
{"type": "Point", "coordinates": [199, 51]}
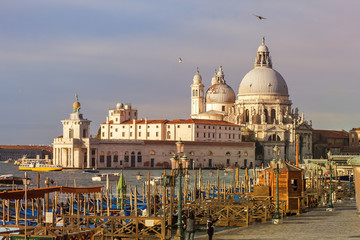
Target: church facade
{"type": "Point", "coordinates": [224, 129]}
{"type": "Point", "coordinates": [123, 141]}
{"type": "Point", "coordinates": [262, 109]}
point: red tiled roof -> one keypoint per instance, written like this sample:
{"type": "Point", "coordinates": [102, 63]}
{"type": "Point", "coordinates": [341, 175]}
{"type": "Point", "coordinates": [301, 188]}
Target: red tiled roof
{"type": "Point", "coordinates": [332, 133]}
{"type": "Point", "coordinates": [201, 121]}
{"type": "Point", "coordinates": [111, 122]}
{"type": "Point", "coordinates": [142, 121]}
{"type": "Point", "coordinates": [35, 147]}
{"type": "Point", "coordinates": [197, 143]}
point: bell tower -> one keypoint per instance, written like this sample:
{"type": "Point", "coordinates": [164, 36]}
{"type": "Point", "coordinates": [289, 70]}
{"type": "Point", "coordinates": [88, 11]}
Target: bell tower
{"type": "Point", "coordinates": [197, 95]}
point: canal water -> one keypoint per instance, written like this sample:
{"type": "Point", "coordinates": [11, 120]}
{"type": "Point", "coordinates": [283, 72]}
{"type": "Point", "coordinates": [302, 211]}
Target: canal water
{"type": "Point", "coordinates": [68, 177]}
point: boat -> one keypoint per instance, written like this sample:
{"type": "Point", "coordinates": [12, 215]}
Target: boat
{"type": "Point", "coordinates": [10, 160]}
{"type": "Point", "coordinates": [91, 171]}
{"type": "Point", "coordinates": [10, 179]}
{"type": "Point", "coordinates": [41, 167]}
{"type": "Point", "coordinates": [154, 181]}
{"type": "Point", "coordinates": [229, 169]}
{"type": "Point", "coordinates": [104, 176]}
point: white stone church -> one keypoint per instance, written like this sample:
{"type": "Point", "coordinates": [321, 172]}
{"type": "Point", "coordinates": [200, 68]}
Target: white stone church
{"type": "Point", "coordinates": [221, 132]}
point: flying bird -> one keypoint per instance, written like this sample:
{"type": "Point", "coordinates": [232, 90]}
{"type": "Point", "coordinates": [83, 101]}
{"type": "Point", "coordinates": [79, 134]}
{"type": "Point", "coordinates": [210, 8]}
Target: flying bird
{"type": "Point", "coordinates": [180, 60]}
{"type": "Point", "coordinates": [259, 17]}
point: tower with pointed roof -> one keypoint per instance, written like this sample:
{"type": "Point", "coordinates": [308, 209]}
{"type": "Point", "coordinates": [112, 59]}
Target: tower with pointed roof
{"type": "Point", "coordinates": [72, 145]}
{"type": "Point", "coordinates": [197, 95]}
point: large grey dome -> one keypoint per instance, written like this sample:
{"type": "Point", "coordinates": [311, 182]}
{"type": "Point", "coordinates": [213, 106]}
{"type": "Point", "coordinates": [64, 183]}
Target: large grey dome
{"type": "Point", "coordinates": [263, 80]}
{"type": "Point", "coordinates": [220, 93]}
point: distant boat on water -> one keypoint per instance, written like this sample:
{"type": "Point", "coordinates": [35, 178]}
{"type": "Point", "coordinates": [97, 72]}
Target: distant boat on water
{"type": "Point", "coordinates": [10, 179]}
{"type": "Point", "coordinates": [91, 171]}
{"type": "Point", "coordinates": [38, 166]}
{"type": "Point", "coordinates": [103, 177]}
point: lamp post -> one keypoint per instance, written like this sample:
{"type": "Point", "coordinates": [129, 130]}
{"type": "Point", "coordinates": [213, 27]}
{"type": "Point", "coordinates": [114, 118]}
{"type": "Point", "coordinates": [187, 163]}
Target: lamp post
{"type": "Point", "coordinates": [329, 166]}
{"type": "Point", "coordinates": [26, 182]}
{"type": "Point", "coordinates": [276, 161]}
{"type": "Point", "coordinates": [178, 164]}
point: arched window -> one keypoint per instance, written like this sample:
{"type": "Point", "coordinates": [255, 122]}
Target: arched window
{"type": "Point", "coordinates": [191, 153]}
{"type": "Point", "coordinates": [273, 115]}
{"type": "Point", "coordinates": [139, 157]}
{"type": "Point", "coordinates": [210, 153]}
{"type": "Point", "coordinates": [247, 115]}
{"type": "Point", "coordinates": [71, 133]}
{"type": "Point", "coordinates": [227, 154]}
{"type": "Point", "coordinates": [102, 157]}
{"type": "Point", "coordinates": [126, 156]}
{"type": "Point", "coordinates": [116, 157]}
{"type": "Point", "coordinates": [84, 133]}
{"type": "Point", "coordinates": [196, 92]}
{"type": "Point", "coordinates": [168, 135]}
{"type": "Point", "coordinates": [266, 115]}
{"type": "Point", "coordinates": [274, 138]}
{"type": "Point", "coordinates": [152, 152]}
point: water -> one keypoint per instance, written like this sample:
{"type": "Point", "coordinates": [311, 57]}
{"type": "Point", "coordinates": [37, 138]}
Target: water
{"type": "Point", "coordinates": [68, 177]}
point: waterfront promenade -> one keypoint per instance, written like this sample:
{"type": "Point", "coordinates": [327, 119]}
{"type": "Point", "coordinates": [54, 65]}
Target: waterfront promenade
{"type": "Point", "coordinates": [342, 223]}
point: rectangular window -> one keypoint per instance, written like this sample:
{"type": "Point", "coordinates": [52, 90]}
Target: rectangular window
{"type": "Point", "coordinates": [102, 158]}
{"type": "Point", "coordinates": [223, 108]}
{"type": "Point", "coordinates": [116, 158]}
{"type": "Point", "coordinates": [131, 134]}
{"type": "Point", "coordinates": [148, 134]}
{"type": "Point", "coordinates": [93, 152]}
{"type": "Point", "coordinates": [120, 162]}
{"type": "Point", "coordinates": [110, 134]}
{"type": "Point", "coordinates": [197, 134]}
{"type": "Point", "coordinates": [126, 158]}
{"type": "Point", "coordinates": [139, 134]}
{"type": "Point", "coordinates": [116, 129]}
{"type": "Point", "coordinates": [294, 185]}
{"type": "Point", "coordinates": [123, 134]}
{"type": "Point", "coordinates": [204, 134]}
{"type": "Point", "coordinates": [225, 128]}
{"type": "Point", "coordinates": [189, 126]}
{"type": "Point", "coordinates": [103, 134]}
{"type": "Point", "coordinates": [157, 134]}
{"type": "Point", "coordinates": [208, 135]}
{"type": "Point", "coordinates": [219, 135]}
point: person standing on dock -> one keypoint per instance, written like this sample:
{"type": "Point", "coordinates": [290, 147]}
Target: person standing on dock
{"type": "Point", "coordinates": [190, 227]}
{"type": "Point", "coordinates": [210, 226]}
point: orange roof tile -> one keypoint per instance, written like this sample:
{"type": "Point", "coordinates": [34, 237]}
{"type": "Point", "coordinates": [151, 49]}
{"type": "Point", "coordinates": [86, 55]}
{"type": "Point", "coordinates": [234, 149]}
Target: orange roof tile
{"type": "Point", "coordinates": [142, 121]}
{"type": "Point", "coordinates": [35, 147]}
{"type": "Point", "coordinates": [201, 121]}
{"type": "Point", "coordinates": [332, 133]}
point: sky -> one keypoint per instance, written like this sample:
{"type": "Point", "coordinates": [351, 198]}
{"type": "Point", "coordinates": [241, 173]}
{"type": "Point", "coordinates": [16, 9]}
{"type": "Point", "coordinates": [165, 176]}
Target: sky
{"type": "Point", "coordinates": [110, 51]}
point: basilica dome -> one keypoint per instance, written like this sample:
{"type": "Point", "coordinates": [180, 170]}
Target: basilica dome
{"type": "Point", "coordinates": [220, 93]}
{"type": "Point", "coordinates": [263, 80]}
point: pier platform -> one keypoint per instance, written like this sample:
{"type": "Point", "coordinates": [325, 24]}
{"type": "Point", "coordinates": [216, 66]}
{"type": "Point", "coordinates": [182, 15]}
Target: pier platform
{"type": "Point", "coordinates": [342, 223]}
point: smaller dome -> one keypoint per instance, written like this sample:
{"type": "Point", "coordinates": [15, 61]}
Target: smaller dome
{"type": "Point", "coordinates": [263, 48]}
{"type": "Point", "coordinates": [197, 77]}
{"type": "Point", "coordinates": [119, 106]}
{"type": "Point", "coordinates": [127, 106]}
{"type": "Point", "coordinates": [220, 93]}
{"type": "Point", "coordinates": [214, 79]}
